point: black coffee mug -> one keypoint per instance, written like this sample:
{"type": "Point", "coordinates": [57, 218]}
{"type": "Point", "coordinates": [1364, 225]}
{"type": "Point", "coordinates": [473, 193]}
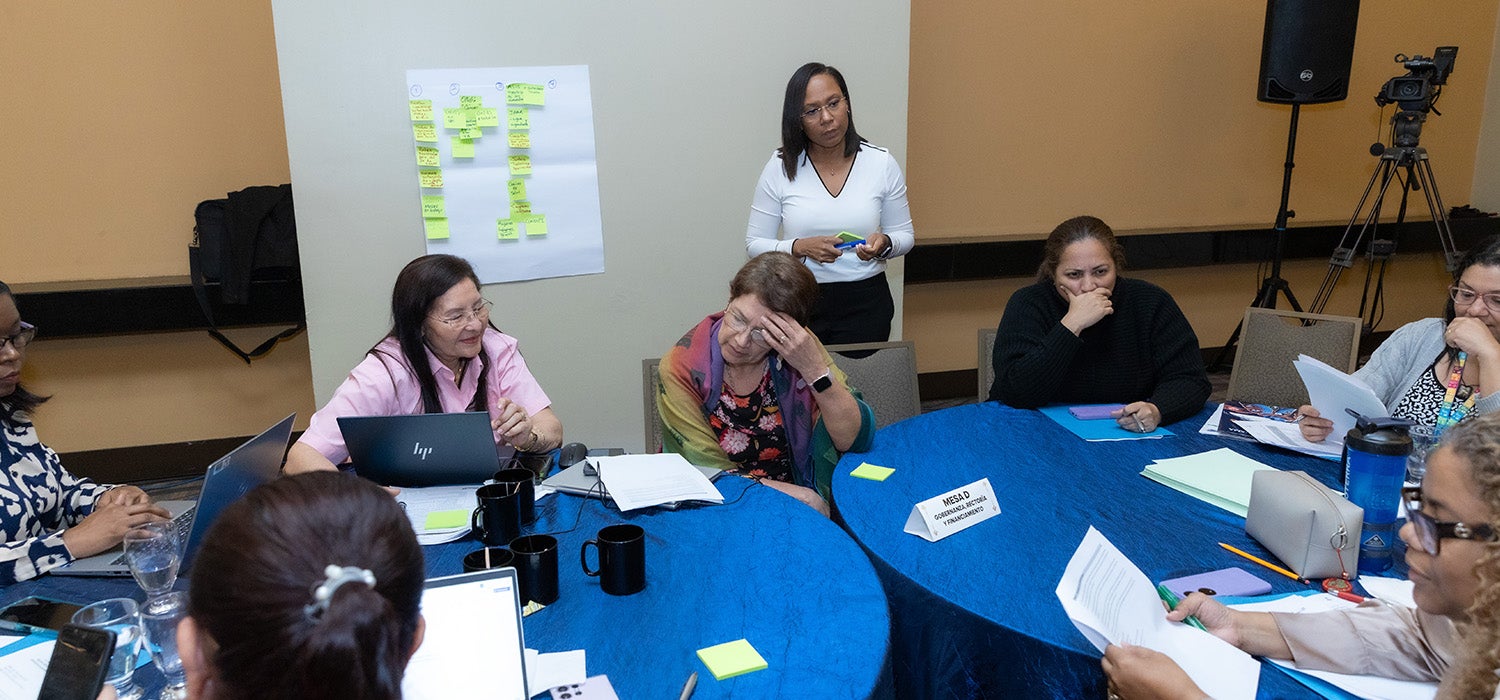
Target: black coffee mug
{"type": "Point", "coordinates": [497, 518]}
{"type": "Point", "coordinates": [521, 479]}
{"type": "Point", "coordinates": [487, 558]}
{"type": "Point", "coordinates": [622, 559]}
{"type": "Point", "coordinates": [536, 567]}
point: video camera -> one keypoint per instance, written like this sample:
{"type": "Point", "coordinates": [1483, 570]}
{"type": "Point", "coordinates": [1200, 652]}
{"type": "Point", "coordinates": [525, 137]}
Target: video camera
{"type": "Point", "coordinates": [1420, 87]}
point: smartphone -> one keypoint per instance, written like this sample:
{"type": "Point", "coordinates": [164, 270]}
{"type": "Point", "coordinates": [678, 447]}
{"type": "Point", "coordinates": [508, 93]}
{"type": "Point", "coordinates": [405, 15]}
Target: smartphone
{"type": "Point", "coordinates": [35, 614]}
{"type": "Point", "coordinates": [1232, 581]}
{"type": "Point", "coordinates": [79, 664]}
{"type": "Point", "coordinates": [849, 240]}
{"type": "Point", "coordinates": [1095, 411]}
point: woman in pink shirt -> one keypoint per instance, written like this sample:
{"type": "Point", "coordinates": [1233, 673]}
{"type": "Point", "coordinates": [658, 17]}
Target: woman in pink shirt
{"type": "Point", "coordinates": [442, 356]}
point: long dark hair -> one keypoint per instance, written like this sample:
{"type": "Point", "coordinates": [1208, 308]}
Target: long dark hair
{"type": "Point", "coordinates": [793, 138]}
{"type": "Point", "coordinates": [420, 284]}
{"type": "Point", "coordinates": [1487, 253]}
{"type": "Point", "coordinates": [256, 571]}
{"type": "Point", "coordinates": [20, 400]}
{"type": "Point", "coordinates": [1072, 231]}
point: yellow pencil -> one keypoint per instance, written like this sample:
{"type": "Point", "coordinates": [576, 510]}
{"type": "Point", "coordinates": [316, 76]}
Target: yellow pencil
{"type": "Point", "coordinates": [1264, 563]}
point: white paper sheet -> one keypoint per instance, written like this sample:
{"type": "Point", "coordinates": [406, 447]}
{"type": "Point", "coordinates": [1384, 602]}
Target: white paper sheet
{"type": "Point", "coordinates": [21, 672]}
{"type": "Point", "coordinates": [1289, 435]}
{"type": "Point", "coordinates": [1111, 601]}
{"type": "Point", "coordinates": [1331, 391]}
{"type": "Point", "coordinates": [1390, 590]}
{"type": "Point", "coordinates": [420, 502]}
{"type": "Point", "coordinates": [642, 481]}
{"type": "Point", "coordinates": [545, 671]}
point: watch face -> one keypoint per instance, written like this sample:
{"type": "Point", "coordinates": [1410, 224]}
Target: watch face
{"type": "Point", "coordinates": [822, 383]}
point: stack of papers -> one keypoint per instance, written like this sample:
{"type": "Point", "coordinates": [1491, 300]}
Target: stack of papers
{"type": "Point", "coordinates": [642, 481]}
{"type": "Point", "coordinates": [1331, 391]}
{"type": "Point", "coordinates": [1276, 432]}
{"type": "Point", "coordinates": [439, 513]}
{"type": "Point", "coordinates": [1097, 430]}
{"type": "Point", "coordinates": [1221, 477]}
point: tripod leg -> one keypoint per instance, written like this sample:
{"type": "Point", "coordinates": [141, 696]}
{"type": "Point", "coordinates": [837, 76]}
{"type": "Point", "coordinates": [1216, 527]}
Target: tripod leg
{"type": "Point", "coordinates": [1439, 214]}
{"type": "Point", "coordinates": [1343, 254]}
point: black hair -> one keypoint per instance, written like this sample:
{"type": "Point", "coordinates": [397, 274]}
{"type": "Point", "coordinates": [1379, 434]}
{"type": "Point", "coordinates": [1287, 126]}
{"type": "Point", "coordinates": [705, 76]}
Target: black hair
{"type": "Point", "coordinates": [1487, 253]}
{"type": "Point", "coordinates": [793, 138]}
{"type": "Point", "coordinates": [20, 400]}
{"type": "Point", "coordinates": [1072, 231]}
{"type": "Point", "coordinates": [418, 286]}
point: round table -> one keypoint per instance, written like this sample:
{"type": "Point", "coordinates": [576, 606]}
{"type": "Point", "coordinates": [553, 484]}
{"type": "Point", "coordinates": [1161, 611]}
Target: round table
{"type": "Point", "coordinates": [976, 614]}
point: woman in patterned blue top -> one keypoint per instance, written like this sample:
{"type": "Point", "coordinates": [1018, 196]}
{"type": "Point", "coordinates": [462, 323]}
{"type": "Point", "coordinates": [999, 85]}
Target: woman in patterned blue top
{"type": "Point", "coordinates": [48, 516]}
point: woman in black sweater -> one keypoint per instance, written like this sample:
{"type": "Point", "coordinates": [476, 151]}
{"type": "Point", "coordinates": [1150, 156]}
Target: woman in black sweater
{"type": "Point", "coordinates": [1083, 335]}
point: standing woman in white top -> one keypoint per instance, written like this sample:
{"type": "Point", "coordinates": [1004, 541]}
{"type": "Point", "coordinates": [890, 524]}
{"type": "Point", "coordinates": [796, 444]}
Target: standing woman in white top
{"type": "Point", "coordinates": [825, 180]}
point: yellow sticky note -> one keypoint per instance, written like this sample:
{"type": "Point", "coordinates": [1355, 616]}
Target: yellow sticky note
{"type": "Point", "coordinates": [519, 208]}
{"type": "Point", "coordinates": [430, 178]}
{"type": "Point", "coordinates": [872, 472]}
{"type": "Point", "coordinates": [453, 118]}
{"type": "Point", "coordinates": [731, 659]}
{"type": "Point", "coordinates": [517, 189]}
{"type": "Point", "coordinates": [433, 207]}
{"type": "Point", "coordinates": [536, 224]}
{"type": "Point", "coordinates": [507, 229]}
{"type": "Point", "coordinates": [488, 117]}
{"type": "Point", "coordinates": [427, 156]}
{"type": "Point", "coordinates": [520, 165]}
{"type": "Point", "coordinates": [436, 228]}
{"type": "Point", "coordinates": [421, 110]}
{"type": "Point", "coordinates": [425, 133]}
{"type": "Point", "coordinates": [447, 519]}
{"type": "Point", "coordinates": [470, 101]}
{"type": "Point", "coordinates": [470, 134]}
{"type": "Point", "coordinates": [471, 119]}
{"type": "Point", "coordinates": [517, 119]}
{"type": "Point", "coordinates": [524, 94]}
{"type": "Point", "coordinates": [519, 139]}
{"type": "Point", "coordinates": [462, 147]}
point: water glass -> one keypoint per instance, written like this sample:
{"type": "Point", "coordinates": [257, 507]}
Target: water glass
{"type": "Point", "coordinates": [121, 616]}
{"type": "Point", "coordinates": [159, 618]}
{"type": "Point", "coordinates": [1423, 440]}
{"type": "Point", "coordinates": [153, 554]}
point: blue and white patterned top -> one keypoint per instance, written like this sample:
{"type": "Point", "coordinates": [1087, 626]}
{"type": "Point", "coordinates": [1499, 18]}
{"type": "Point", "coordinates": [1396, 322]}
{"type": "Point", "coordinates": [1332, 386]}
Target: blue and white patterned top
{"type": "Point", "coordinates": [38, 500]}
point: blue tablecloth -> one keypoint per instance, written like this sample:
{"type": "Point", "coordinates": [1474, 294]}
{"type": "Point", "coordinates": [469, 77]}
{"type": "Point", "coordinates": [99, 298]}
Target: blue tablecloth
{"type": "Point", "coordinates": [765, 568]}
{"type": "Point", "coordinates": [975, 614]}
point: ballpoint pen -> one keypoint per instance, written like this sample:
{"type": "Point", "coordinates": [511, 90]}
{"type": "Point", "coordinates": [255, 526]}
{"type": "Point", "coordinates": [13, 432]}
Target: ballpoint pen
{"type": "Point", "coordinates": [687, 688]}
{"type": "Point", "coordinates": [1138, 424]}
{"type": "Point", "coordinates": [1171, 600]}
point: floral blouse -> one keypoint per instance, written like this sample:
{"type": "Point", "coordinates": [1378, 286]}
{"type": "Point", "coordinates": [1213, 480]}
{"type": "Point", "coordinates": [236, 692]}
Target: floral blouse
{"type": "Point", "coordinates": [38, 500]}
{"type": "Point", "coordinates": [750, 432]}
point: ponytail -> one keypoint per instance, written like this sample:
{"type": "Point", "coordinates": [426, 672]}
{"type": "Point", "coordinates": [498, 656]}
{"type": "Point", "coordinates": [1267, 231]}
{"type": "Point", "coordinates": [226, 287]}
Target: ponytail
{"type": "Point", "coordinates": [352, 651]}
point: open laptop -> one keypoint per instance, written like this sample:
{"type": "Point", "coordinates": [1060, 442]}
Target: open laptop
{"type": "Point", "coordinates": [426, 449]}
{"type": "Point", "coordinates": [474, 645]}
{"type": "Point", "coordinates": [247, 466]}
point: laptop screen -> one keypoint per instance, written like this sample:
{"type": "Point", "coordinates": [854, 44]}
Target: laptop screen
{"type": "Point", "coordinates": [474, 645]}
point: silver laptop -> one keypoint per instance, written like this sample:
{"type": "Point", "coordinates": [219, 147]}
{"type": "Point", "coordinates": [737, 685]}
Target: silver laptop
{"type": "Point", "coordinates": [474, 645]}
{"type": "Point", "coordinates": [577, 481]}
{"type": "Point", "coordinates": [426, 449]}
{"type": "Point", "coordinates": [247, 466]}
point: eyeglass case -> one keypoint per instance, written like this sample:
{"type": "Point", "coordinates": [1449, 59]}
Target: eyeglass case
{"type": "Point", "coordinates": [1309, 527]}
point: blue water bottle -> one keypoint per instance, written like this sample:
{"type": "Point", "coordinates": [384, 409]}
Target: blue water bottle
{"type": "Point", "coordinates": [1375, 453]}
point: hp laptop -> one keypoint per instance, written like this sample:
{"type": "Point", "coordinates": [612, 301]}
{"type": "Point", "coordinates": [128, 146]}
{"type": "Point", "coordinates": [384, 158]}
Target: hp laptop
{"type": "Point", "coordinates": [474, 646]}
{"type": "Point", "coordinates": [247, 466]}
{"type": "Point", "coordinates": [426, 449]}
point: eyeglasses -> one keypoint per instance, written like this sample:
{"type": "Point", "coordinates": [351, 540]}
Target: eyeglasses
{"type": "Point", "coordinates": [1465, 297]}
{"type": "Point", "coordinates": [460, 318]}
{"type": "Point", "coordinates": [20, 339]}
{"type": "Point", "coordinates": [832, 108]}
{"type": "Point", "coordinates": [1431, 533]}
{"type": "Point", "coordinates": [737, 325]}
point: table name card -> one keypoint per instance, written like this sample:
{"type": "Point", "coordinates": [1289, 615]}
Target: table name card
{"type": "Point", "coordinates": [945, 514]}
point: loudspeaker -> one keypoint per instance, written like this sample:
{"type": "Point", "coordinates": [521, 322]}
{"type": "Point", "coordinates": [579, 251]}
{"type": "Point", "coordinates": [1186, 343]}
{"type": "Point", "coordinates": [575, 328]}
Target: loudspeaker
{"type": "Point", "coordinates": [1307, 50]}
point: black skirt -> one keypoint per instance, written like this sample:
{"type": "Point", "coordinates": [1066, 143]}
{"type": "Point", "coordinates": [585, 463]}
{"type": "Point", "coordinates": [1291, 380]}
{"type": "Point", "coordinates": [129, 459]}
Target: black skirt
{"type": "Point", "coordinates": [854, 312]}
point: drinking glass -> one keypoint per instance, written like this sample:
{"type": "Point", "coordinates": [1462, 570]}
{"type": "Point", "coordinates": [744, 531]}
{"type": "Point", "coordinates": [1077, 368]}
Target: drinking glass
{"type": "Point", "coordinates": [154, 554]}
{"type": "Point", "coordinates": [121, 616]}
{"type": "Point", "coordinates": [159, 618]}
{"type": "Point", "coordinates": [1423, 440]}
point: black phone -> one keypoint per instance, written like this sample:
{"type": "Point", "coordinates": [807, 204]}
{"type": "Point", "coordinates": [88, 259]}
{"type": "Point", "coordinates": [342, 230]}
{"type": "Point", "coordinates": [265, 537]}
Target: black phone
{"type": "Point", "coordinates": [37, 614]}
{"type": "Point", "coordinates": [79, 664]}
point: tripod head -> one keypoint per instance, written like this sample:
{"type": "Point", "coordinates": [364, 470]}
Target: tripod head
{"type": "Point", "coordinates": [1416, 93]}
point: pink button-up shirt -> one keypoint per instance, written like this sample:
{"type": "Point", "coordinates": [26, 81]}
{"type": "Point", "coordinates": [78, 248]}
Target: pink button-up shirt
{"type": "Point", "coordinates": [384, 384]}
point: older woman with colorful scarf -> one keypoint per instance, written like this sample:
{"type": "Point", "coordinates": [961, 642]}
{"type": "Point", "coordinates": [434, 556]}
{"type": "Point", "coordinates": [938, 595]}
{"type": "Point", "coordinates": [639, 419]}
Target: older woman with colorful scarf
{"type": "Point", "coordinates": [751, 390]}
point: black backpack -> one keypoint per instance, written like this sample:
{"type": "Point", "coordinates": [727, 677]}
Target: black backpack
{"type": "Point", "coordinates": [251, 235]}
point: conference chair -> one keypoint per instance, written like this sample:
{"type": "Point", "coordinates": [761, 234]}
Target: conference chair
{"type": "Point", "coordinates": [1272, 339]}
{"type": "Point", "coordinates": [986, 361]}
{"type": "Point", "coordinates": [650, 385]}
{"type": "Point", "coordinates": [887, 377]}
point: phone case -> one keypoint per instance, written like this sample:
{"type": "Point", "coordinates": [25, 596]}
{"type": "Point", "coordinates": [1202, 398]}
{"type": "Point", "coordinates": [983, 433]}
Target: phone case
{"type": "Point", "coordinates": [1232, 581]}
{"type": "Point", "coordinates": [1095, 412]}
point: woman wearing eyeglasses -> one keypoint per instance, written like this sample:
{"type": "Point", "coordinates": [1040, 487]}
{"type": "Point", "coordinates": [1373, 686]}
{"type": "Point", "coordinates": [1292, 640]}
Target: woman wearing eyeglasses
{"type": "Point", "coordinates": [1454, 559]}
{"type": "Point", "coordinates": [1410, 371]}
{"type": "Point", "coordinates": [48, 516]}
{"type": "Point", "coordinates": [825, 180]}
{"type": "Point", "coordinates": [442, 355]}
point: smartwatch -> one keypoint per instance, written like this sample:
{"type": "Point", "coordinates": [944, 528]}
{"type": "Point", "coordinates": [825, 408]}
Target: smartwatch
{"type": "Point", "coordinates": [822, 383]}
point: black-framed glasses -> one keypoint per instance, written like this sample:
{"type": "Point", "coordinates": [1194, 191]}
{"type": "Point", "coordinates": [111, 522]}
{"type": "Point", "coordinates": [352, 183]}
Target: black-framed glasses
{"type": "Point", "coordinates": [1465, 297]}
{"type": "Point", "coordinates": [459, 318]}
{"type": "Point", "coordinates": [832, 108]}
{"type": "Point", "coordinates": [20, 339]}
{"type": "Point", "coordinates": [1431, 533]}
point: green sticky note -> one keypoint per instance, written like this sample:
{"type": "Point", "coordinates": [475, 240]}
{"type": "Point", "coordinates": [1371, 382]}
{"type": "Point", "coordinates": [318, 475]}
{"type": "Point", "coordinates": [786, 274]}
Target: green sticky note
{"type": "Point", "coordinates": [536, 224]}
{"type": "Point", "coordinates": [507, 229]}
{"type": "Point", "coordinates": [446, 519]}
{"type": "Point", "coordinates": [872, 472]}
{"type": "Point", "coordinates": [471, 119]}
{"type": "Point", "coordinates": [421, 110]}
{"type": "Point", "coordinates": [470, 134]}
{"type": "Point", "coordinates": [524, 94]}
{"type": "Point", "coordinates": [517, 119]}
{"type": "Point", "coordinates": [519, 139]}
{"type": "Point", "coordinates": [520, 165]}
{"type": "Point", "coordinates": [453, 118]}
{"type": "Point", "coordinates": [731, 659]}
{"type": "Point", "coordinates": [433, 207]}
{"type": "Point", "coordinates": [425, 133]}
{"type": "Point", "coordinates": [462, 147]}
{"type": "Point", "coordinates": [428, 156]}
{"type": "Point", "coordinates": [519, 209]}
{"type": "Point", "coordinates": [488, 117]}
{"type": "Point", "coordinates": [517, 189]}
{"type": "Point", "coordinates": [437, 229]}
{"type": "Point", "coordinates": [470, 101]}
{"type": "Point", "coordinates": [430, 178]}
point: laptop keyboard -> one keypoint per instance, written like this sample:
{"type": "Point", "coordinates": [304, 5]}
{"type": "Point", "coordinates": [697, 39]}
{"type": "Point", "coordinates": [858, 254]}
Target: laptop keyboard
{"type": "Point", "coordinates": [183, 524]}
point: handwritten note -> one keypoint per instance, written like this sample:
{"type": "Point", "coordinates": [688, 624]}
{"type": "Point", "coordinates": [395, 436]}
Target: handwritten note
{"type": "Point", "coordinates": [471, 119]}
{"type": "Point", "coordinates": [437, 229]}
{"type": "Point", "coordinates": [421, 110]}
{"type": "Point", "coordinates": [427, 156]}
{"type": "Point", "coordinates": [470, 101]}
{"type": "Point", "coordinates": [519, 139]}
{"type": "Point", "coordinates": [517, 119]}
{"type": "Point", "coordinates": [430, 178]}
{"type": "Point", "coordinates": [433, 207]}
{"type": "Point", "coordinates": [462, 147]}
{"type": "Point", "coordinates": [517, 188]}
{"type": "Point", "coordinates": [520, 165]}
{"type": "Point", "coordinates": [470, 134]}
{"type": "Point", "coordinates": [536, 224]}
{"type": "Point", "coordinates": [453, 118]}
{"type": "Point", "coordinates": [519, 208]}
{"type": "Point", "coordinates": [524, 94]}
{"type": "Point", "coordinates": [507, 229]}
{"type": "Point", "coordinates": [488, 117]}
{"type": "Point", "coordinates": [424, 133]}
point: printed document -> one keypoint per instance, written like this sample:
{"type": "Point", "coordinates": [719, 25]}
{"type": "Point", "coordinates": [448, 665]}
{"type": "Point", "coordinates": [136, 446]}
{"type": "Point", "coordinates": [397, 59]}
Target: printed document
{"type": "Point", "coordinates": [1331, 391]}
{"type": "Point", "coordinates": [642, 481]}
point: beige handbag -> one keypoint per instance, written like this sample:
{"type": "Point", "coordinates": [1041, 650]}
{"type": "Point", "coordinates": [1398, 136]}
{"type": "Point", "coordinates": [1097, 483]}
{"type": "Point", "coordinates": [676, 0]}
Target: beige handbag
{"type": "Point", "coordinates": [1309, 527]}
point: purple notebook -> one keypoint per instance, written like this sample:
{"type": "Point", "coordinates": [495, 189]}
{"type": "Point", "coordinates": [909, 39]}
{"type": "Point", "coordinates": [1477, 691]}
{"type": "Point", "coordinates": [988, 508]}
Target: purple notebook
{"type": "Point", "coordinates": [1095, 411]}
